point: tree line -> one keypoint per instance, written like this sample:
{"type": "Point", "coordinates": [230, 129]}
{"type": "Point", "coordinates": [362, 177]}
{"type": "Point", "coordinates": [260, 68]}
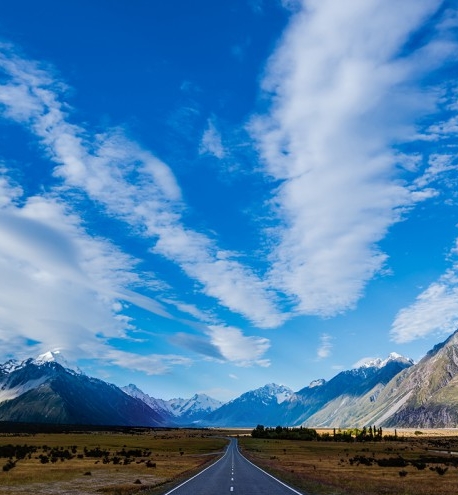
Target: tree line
{"type": "Point", "coordinates": [366, 434]}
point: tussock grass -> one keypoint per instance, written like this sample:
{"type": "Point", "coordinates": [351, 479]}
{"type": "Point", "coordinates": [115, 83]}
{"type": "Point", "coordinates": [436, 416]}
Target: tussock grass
{"type": "Point", "coordinates": [415, 465]}
{"type": "Point", "coordinates": [105, 462]}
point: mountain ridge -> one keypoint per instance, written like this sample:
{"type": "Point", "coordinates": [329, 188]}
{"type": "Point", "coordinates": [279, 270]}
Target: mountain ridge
{"type": "Point", "coordinates": [388, 392]}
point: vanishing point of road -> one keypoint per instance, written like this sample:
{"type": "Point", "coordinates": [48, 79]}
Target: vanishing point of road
{"type": "Point", "coordinates": [233, 474]}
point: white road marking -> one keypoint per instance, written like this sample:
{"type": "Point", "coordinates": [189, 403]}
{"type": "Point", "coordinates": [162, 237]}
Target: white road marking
{"type": "Point", "coordinates": [265, 472]}
{"type": "Point", "coordinates": [203, 471]}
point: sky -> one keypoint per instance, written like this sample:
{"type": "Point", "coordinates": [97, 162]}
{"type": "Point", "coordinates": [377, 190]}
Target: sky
{"type": "Point", "coordinates": [206, 197]}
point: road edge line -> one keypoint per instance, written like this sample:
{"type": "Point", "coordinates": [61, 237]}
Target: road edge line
{"type": "Point", "coordinates": [200, 472]}
{"type": "Point", "coordinates": [268, 474]}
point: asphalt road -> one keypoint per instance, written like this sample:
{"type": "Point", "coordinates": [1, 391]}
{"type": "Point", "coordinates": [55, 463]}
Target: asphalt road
{"type": "Point", "coordinates": [233, 475]}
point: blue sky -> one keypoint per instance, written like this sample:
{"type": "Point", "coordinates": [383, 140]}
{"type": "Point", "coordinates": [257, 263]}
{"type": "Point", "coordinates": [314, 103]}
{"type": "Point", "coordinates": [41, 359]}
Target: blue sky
{"type": "Point", "coordinates": [201, 196]}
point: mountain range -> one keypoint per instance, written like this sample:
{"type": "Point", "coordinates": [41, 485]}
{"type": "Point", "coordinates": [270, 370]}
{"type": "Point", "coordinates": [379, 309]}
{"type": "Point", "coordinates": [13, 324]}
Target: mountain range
{"type": "Point", "coordinates": [395, 392]}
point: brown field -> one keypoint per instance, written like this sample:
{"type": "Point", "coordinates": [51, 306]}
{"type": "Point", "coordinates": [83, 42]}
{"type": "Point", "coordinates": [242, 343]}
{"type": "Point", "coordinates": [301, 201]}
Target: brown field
{"type": "Point", "coordinates": [116, 463]}
{"type": "Point", "coordinates": [338, 468]}
{"type": "Point", "coordinates": [170, 455]}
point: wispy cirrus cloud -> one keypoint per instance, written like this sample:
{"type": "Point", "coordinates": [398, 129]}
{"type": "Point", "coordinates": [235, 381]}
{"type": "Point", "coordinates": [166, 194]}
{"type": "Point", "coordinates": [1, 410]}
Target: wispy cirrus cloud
{"type": "Point", "coordinates": [330, 138]}
{"type": "Point", "coordinates": [64, 289]}
{"type": "Point", "coordinates": [435, 310]}
{"type": "Point", "coordinates": [150, 364]}
{"type": "Point", "coordinates": [211, 142]}
{"type": "Point", "coordinates": [131, 184]}
{"type": "Point", "coordinates": [59, 285]}
{"type": "Point", "coordinates": [325, 348]}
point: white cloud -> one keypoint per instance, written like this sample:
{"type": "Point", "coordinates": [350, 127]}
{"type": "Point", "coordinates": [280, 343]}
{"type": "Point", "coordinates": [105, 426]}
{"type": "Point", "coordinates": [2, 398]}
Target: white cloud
{"type": "Point", "coordinates": [189, 309]}
{"type": "Point", "coordinates": [222, 277]}
{"type": "Point", "coordinates": [325, 348]}
{"type": "Point", "coordinates": [151, 364]}
{"type": "Point", "coordinates": [435, 310]}
{"type": "Point", "coordinates": [131, 184]}
{"type": "Point", "coordinates": [330, 140]}
{"type": "Point", "coordinates": [211, 142]}
{"type": "Point", "coordinates": [58, 285]}
{"type": "Point", "coordinates": [61, 289]}
{"type": "Point", "coordinates": [439, 165]}
{"type": "Point", "coordinates": [8, 192]}
{"type": "Point", "coordinates": [237, 348]}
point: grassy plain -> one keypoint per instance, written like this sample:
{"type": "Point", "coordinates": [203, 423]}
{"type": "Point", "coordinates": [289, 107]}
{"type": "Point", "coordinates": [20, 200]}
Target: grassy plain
{"type": "Point", "coordinates": [150, 461]}
{"type": "Point", "coordinates": [110, 463]}
{"type": "Point", "coordinates": [419, 463]}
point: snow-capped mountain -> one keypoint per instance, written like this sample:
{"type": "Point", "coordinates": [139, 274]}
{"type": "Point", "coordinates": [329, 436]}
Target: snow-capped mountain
{"type": "Point", "coordinates": [43, 391]}
{"type": "Point", "coordinates": [56, 357]}
{"type": "Point", "coordinates": [380, 363]}
{"type": "Point", "coordinates": [387, 392]}
{"type": "Point", "coordinates": [260, 406]}
{"type": "Point", "coordinates": [155, 404]}
{"type": "Point", "coordinates": [340, 401]}
{"type": "Point", "coordinates": [178, 411]}
{"type": "Point", "coordinates": [326, 403]}
{"type": "Point", "coordinates": [194, 408]}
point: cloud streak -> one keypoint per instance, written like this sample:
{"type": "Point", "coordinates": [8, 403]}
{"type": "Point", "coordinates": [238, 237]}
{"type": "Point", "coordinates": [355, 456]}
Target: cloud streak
{"type": "Point", "coordinates": [325, 348]}
{"type": "Point", "coordinates": [51, 270]}
{"type": "Point", "coordinates": [330, 139]}
{"type": "Point", "coordinates": [211, 142]}
{"type": "Point", "coordinates": [130, 184]}
{"type": "Point", "coordinates": [435, 310]}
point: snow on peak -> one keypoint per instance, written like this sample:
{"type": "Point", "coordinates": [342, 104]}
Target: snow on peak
{"type": "Point", "coordinates": [394, 355]}
{"type": "Point", "coordinates": [133, 390]}
{"type": "Point", "coordinates": [279, 392]}
{"type": "Point", "coordinates": [9, 366]}
{"type": "Point", "coordinates": [56, 357]}
{"type": "Point", "coordinates": [370, 362]}
{"type": "Point", "coordinates": [198, 402]}
{"type": "Point", "coordinates": [203, 401]}
{"type": "Point", "coordinates": [317, 383]}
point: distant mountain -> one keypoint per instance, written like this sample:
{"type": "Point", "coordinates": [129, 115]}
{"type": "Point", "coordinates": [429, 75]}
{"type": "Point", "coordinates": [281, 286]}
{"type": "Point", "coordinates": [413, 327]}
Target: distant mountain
{"type": "Point", "coordinates": [157, 405]}
{"type": "Point", "coordinates": [193, 410]}
{"type": "Point", "coordinates": [332, 403]}
{"type": "Point", "coordinates": [387, 392]}
{"type": "Point", "coordinates": [260, 406]}
{"type": "Point", "coordinates": [347, 399]}
{"type": "Point", "coordinates": [183, 412]}
{"type": "Point", "coordinates": [43, 391]}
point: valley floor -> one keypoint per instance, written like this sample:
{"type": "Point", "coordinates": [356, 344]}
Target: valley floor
{"type": "Point", "coordinates": [110, 463]}
{"type": "Point", "coordinates": [419, 462]}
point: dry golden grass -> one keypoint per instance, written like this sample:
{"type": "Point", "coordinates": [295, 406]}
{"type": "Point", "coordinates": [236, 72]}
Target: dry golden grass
{"type": "Point", "coordinates": [315, 467]}
{"type": "Point", "coordinates": [325, 467]}
{"type": "Point", "coordinates": [174, 453]}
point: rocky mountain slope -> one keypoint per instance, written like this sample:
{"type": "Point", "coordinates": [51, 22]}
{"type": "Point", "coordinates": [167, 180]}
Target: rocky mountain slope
{"type": "Point", "coordinates": [425, 395]}
{"type": "Point", "coordinates": [347, 398]}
